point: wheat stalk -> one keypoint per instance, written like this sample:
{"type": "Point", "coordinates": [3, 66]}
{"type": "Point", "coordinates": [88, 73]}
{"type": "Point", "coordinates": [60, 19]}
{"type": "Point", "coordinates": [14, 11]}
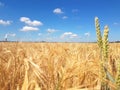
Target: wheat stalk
{"type": "Point", "coordinates": [117, 81]}
{"type": "Point", "coordinates": [103, 45]}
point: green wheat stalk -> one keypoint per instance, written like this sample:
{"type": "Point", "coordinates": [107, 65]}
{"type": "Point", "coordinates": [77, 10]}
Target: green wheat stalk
{"type": "Point", "coordinates": [105, 55]}
{"type": "Point", "coordinates": [103, 45]}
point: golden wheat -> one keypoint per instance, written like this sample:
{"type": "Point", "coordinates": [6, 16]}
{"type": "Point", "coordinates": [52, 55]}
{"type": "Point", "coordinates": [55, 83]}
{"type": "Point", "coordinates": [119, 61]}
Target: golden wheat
{"type": "Point", "coordinates": [51, 66]}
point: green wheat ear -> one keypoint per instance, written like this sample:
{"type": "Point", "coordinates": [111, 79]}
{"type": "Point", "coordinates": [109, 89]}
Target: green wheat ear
{"type": "Point", "coordinates": [98, 32]}
{"type": "Point", "coordinates": [105, 45]}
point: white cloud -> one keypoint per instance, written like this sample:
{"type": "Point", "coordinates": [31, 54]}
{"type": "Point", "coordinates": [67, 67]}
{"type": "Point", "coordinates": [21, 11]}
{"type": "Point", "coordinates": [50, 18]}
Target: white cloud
{"type": "Point", "coordinates": [24, 19]}
{"type": "Point", "coordinates": [51, 30]}
{"type": "Point", "coordinates": [74, 36]}
{"type": "Point", "coordinates": [31, 23]}
{"type": "Point", "coordinates": [87, 34]}
{"type": "Point", "coordinates": [29, 28]}
{"type": "Point", "coordinates": [2, 22]}
{"type": "Point", "coordinates": [64, 17]}
{"type": "Point", "coordinates": [57, 11]}
{"type": "Point", "coordinates": [69, 35]}
{"type": "Point", "coordinates": [35, 23]}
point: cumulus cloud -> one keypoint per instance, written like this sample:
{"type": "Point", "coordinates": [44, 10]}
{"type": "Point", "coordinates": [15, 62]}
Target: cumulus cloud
{"type": "Point", "coordinates": [74, 36]}
{"type": "Point", "coordinates": [64, 17]}
{"type": "Point", "coordinates": [24, 19]}
{"type": "Point", "coordinates": [27, 21]}
{"type": "Point", "coordinates": [87, 34]}
{"type": "Point", "coordinates": [57, 11]}
{"type": "Point", "coordinates": [29, 28]}
{"type": "Point", "coordinates": [2, 22]}
{"type": "Point", "coordinates": [49, 30]}
{"type": "Point", "coordinates": [69, 35]}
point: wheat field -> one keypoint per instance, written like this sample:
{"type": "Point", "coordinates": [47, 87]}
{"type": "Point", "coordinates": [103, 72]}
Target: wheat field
{"type": "Point", "coordinates": [53, 66]}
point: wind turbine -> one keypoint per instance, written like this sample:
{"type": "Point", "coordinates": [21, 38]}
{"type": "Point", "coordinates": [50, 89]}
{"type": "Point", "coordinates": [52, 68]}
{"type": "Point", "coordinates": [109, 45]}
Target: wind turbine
{"type": "Point", "coordinates": [6, 36]}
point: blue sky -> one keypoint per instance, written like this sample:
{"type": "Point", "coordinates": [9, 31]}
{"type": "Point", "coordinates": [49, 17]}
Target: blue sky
{"type": "Point", "coordinates": [58, 20]}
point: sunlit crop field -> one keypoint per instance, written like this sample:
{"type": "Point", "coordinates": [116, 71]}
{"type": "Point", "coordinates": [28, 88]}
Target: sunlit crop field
{"type": "Point", "coordinates": [53, 66]}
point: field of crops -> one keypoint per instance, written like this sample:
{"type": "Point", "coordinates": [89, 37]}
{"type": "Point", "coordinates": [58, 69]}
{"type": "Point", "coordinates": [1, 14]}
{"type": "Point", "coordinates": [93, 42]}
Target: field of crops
{"type": "Point", "coordinates": [53, 66]}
